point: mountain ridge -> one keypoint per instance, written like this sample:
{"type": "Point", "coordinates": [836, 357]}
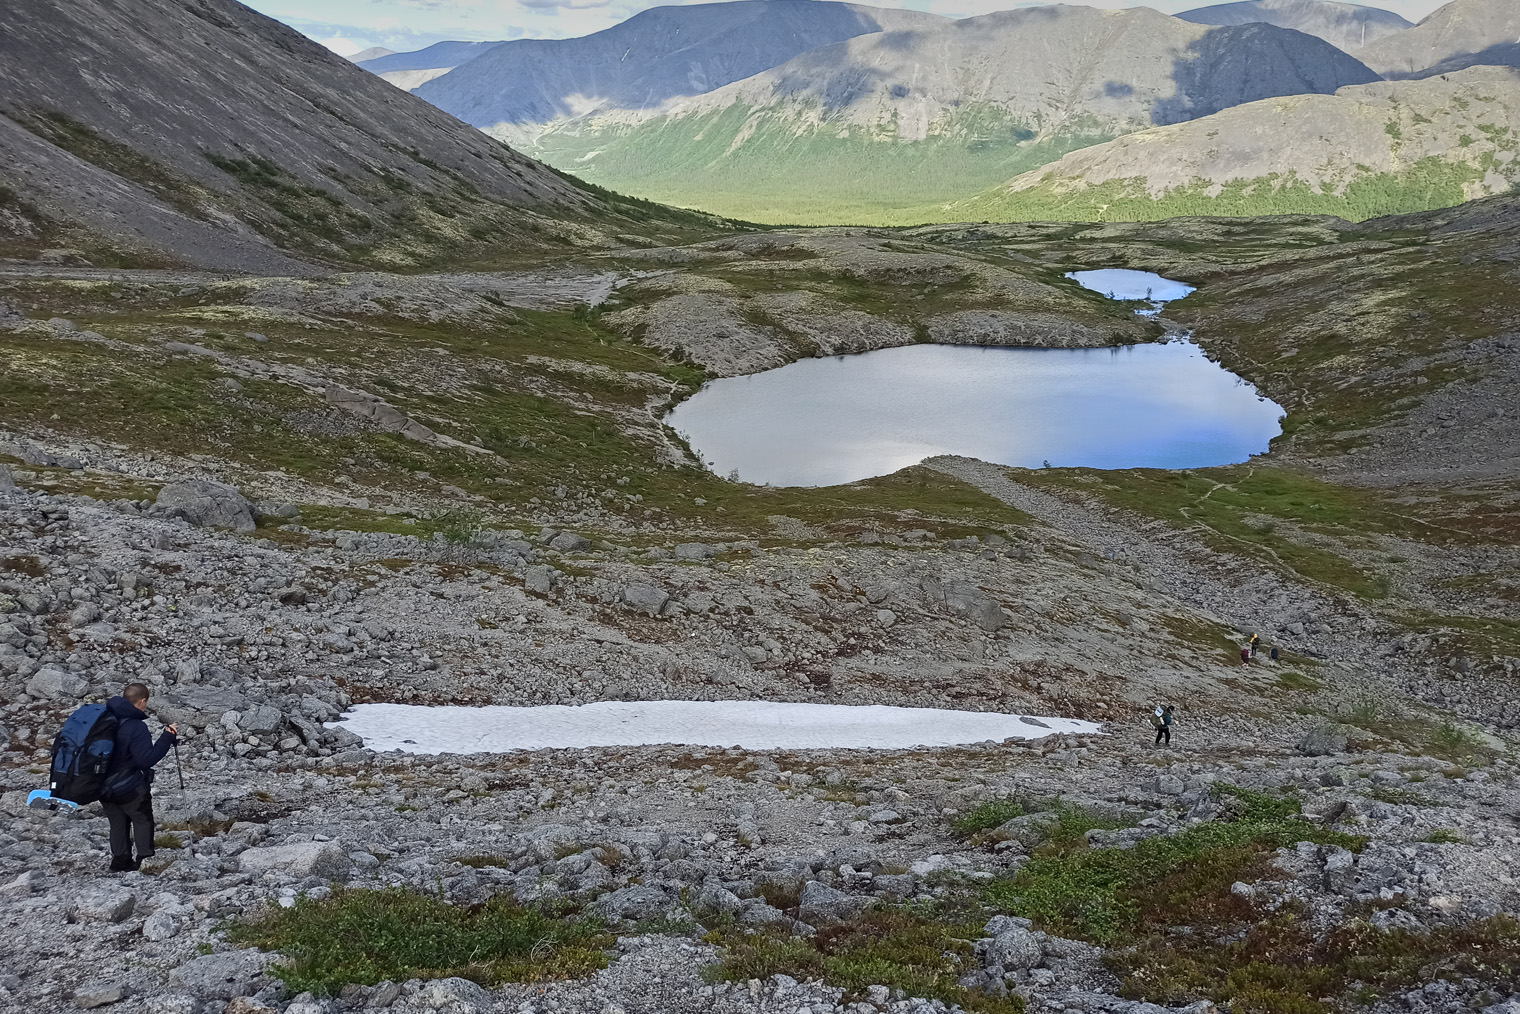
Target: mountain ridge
{"type": "Point", "coordinates": [926, 111]}
{"type": "Point", "coordinates": [513, 88]}
{"type": "Point", "coordinates": [248, 145]}
{"type": "Point", "coordinates": [1346, 26]}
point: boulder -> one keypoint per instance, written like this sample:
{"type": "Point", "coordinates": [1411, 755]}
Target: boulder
{"type": "Point", "coordinates": [540, 579]}
{"type": "Point", "coordinates": [161, 925]}
{"type": "Point", "coordinates": [99, 994]}
{"type": "Point", "coordinates": [297, 861]}
{"type": "Point", "coordinates": [101, 904]}
{"type": "Point", "coordinates": [645, 598]}
{"type": "Point", "coordinates": [198, 706]}
{"type": "Point", "coordinates": [1011, 946]}
{"type": "Point", "coordinates": [261, 720]}
{"type": "Point", "coordinates": [7, 481]}
{"type": "Point", "coordinates": [821, 904]}
{"type": "Point", "coordinates": [222, 976]}
{"type": "Point", "coordinates": [634, 904]}
{"type": "Point", "coordinates": [569, 542]}
{"type": "Point", "coordinates": [273, 510]}
{"type": "Point", "coordinates": [713, 900]}
{"type": "Point", "coordinates": [51, 683]}
{"type": "Point", "coordinates": [453, 994]}
{"type": "Point", "coordinates": [966, 600]}
{"type": "Point", "coordinates": [1324, 740]}
{"type": "Point", "coordinates": [695, 551]}
{"type": "Point", "coordinates": [207, 504]}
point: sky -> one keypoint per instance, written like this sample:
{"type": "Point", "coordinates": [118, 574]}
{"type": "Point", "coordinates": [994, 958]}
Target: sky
{"type": "Point", "coordinates": [348, 26]}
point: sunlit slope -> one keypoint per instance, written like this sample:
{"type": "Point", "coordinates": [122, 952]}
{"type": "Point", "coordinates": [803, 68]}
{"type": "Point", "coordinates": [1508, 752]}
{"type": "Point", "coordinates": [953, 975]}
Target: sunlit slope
{"type": "Point", "coordinates": [1366, 151]}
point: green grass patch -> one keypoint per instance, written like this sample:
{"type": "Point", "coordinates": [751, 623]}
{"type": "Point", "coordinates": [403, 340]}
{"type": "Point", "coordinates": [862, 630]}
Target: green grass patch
{"type": "Point", "coordinates": [918, 950]}
{"type": "Point", "coordinates": [985, 817]}
{"type": "Point", "coordinates": [366, 936]}
{"type": "Point", "coordinates": [1446, 836]}
{"type": "Point", "coordinates": [1113, 895]}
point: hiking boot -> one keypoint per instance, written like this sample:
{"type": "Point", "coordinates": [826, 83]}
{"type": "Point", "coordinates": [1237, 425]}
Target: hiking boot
{"type": "Point", "coordinates": [122, 864]}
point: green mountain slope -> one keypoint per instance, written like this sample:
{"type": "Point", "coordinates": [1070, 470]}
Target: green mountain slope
{"type": "Point", "coordinates": [863, 130]}
{"type": "Point", "coordinates": [1368, 150]}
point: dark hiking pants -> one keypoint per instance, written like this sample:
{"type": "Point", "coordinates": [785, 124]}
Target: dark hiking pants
{"type": "Point", "coordinates": [131, 821]}
{"type": "Point", "coordinates": [1164, 732]}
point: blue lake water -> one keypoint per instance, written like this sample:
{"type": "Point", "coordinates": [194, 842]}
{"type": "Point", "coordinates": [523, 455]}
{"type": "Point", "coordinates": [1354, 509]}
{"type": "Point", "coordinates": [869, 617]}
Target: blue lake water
{"type": "Point", "coordinates": [820, 422]}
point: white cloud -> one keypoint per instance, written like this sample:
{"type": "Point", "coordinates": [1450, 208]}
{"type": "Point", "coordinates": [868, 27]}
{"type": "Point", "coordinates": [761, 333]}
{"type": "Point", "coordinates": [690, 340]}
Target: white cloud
{"type": "Point", "coordinates": [344, 46]}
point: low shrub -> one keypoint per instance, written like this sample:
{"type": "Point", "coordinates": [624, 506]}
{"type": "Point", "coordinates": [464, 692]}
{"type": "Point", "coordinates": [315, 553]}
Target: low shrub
{"type": "Point", "coordinates": [366, 936]}
{"type": "Point", "coordinates": [921, 951]}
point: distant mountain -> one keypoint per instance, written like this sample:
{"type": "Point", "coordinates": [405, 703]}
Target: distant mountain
{"type": "Point", "coordinates": [200, 132]}
{"type": "Point", "coordinates": [1464, 33]}
{"type": "Point", "coordinates": [1366, 151]}
{"type": "Point", "coordinates": [1345, 26]}
{"type": "Point", "coordinates": [860, 130]}
{"type": "Point", "coordinates": [656, 55]}
{"type": "Point", "coordinates": [372, 53]}
{"type": "Point", "coordinates": [409, 70]}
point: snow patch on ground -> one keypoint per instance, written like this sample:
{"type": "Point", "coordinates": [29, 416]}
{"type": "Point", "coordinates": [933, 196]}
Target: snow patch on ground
{"type": "Point", "coordinates": [753, 725]}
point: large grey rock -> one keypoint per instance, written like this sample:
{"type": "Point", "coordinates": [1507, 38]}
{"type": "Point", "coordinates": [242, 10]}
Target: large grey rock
{"type": "Point", "coordinates": [1010, 946]}
{"type": "Point", "coordinates": [261, 719]}
{"type": "Point", "coordinates": [161, 925]}
{"type": "Point", "coordinates": [198, 705]}
{"type": "Point", "coordinates": [51, 683]}
{"type": "Point", "coordinates": [645, 598]}
{"type": "Point", "coordinates": [11, 635]}
{"type": "Point", "coordinates": [222, 976]}
{"type": "Point", "coordinates": [635, 904]}
{"type": "Point", "coordinates": [207, 504]}
{"type": "Point", "coordinates": [966, 600]}
{"type": "Point", "coordinates": [713, 900]}
{"type": "Point", "coordinates": [302, 859]}
{"type": "Point", "coordinates": [539, 579]}
{"type": "Point", "coordinates": [569, 542]}
{"type": "Point", "coordinates": [457, 995]}
{"type": "Point", "coordinates": [104, 903]}
{"type": "Point", "coordinates": [695, 551]}
{"type": "Point", "coordinates": [1323, 740]}
{"type": "Point", "coordinates": [99, 994]}
{"type": "Point", "coordinates": [822, 905]}
{"type": "Point", "coordinates": [7, 481]}
{"type": "Point", "coordinates": [274, 510]}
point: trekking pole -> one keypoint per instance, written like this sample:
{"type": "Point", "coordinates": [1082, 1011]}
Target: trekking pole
{"type": "Point", "coordinates": [179, 767]}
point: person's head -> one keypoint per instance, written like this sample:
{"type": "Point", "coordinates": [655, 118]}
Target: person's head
{"type": "Point", "coordinates": [137, 695]}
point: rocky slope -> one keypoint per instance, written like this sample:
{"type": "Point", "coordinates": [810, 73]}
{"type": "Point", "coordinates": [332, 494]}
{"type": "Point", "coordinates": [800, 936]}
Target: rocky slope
{"type": "Point", "coordinates": [245, 147]}
{"type": "Point", "coordinates": [660, 54]}
{"type": "Point", "coordinates": [934, 113]}
{"type": "Point", "coordinates": [1365, 151]}
{"type": "Point", "coordinates": [1461, 34]}
{"type": "Point", "coordinates": [453, 489]}
{"type": "Point", "coordinates": [1345, 26]}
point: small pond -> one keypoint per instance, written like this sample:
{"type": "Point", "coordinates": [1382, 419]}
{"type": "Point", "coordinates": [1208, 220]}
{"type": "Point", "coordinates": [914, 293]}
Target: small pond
{"type": "Point", "coordinates": [820, 422]}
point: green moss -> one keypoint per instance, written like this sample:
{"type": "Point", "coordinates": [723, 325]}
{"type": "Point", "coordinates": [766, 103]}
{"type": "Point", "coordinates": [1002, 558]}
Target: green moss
{"type": "Point", "coordinates": [366, 936]}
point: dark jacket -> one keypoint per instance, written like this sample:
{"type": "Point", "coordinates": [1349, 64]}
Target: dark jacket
{"type": "Point", "coordinates": [135, 749]}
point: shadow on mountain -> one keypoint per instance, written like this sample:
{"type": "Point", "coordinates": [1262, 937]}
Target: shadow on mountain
{"type": "Point", "coordinates": [1233, 65]}
{"type": "Point", "coordinates": [1506, 54]}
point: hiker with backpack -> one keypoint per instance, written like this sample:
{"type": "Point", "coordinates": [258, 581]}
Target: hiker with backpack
{"type": "Point", "coordinates": [127, 794]}
{"type": "Point", "coordinates": [1161, 718]}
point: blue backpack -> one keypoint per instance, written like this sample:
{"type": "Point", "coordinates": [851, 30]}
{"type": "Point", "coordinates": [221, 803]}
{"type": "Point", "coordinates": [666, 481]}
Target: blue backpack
{"type": "Point", "coordinates": [82, 753]}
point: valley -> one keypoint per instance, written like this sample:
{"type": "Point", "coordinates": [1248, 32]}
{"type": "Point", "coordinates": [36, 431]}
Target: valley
{"type": "Point", "coordinates": [317, 405]}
